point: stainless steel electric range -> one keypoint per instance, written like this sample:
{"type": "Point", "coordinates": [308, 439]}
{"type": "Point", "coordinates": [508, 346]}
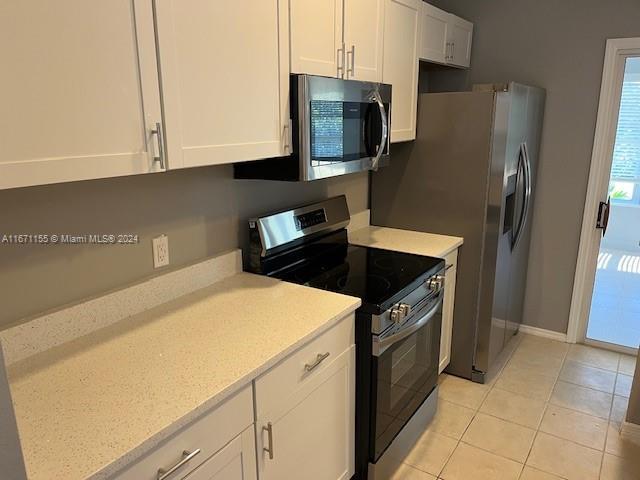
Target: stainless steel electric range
{"type": "Point", "coordinates": [397, 326]}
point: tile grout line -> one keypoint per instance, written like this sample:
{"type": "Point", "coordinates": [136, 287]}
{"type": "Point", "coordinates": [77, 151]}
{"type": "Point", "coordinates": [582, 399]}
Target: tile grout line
{"type": "Point", "coordinates": [547, 403]}
{"type": "Point", "coordinates": [606, 436]}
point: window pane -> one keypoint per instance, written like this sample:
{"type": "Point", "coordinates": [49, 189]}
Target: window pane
{"type": "Point", "coordinates": [626, 153]}
{"type": "Point", "coordinates": [621, 190]}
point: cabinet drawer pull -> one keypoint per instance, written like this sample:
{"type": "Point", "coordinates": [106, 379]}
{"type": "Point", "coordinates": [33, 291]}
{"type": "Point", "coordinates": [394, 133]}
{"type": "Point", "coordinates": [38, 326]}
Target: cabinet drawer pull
{"type": "Point", "coordinates": [269, 449]}
{"type": "Point", "coordinates": [186, 457]}
{"type": "Point", "coordinates": [319, 359]}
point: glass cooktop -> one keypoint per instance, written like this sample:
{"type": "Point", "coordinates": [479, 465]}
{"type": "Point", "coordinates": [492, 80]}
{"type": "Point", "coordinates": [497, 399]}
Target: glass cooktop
{"type": "Point", "coordinates": [379, 277]}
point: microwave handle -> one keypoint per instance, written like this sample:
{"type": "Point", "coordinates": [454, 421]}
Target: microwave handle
{"type": "Point", "coordinates": [385, 130]}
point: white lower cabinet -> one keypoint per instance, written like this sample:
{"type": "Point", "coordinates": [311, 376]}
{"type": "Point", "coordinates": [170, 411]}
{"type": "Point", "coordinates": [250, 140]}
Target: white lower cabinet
{"type": "Point", "coordinates": [306, 410]}
{"type": "Point", "coordinates": [218, 441]}
{"type": "Point", "coordinates": [305, 428]}
{"type": "Point", "coordinates": [451, 262]}
{"type": "Point", "coordinates": [311, 434]}
{"type": "Point", "coordinates": [236, 461]}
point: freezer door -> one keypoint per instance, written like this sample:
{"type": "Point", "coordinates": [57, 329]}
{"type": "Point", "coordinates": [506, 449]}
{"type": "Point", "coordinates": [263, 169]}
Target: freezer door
{"type": "Point", "coordinates": [496, 255]}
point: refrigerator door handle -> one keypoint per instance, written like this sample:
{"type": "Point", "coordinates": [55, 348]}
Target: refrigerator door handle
{"type": "Point", "coordinates": [523, 158]}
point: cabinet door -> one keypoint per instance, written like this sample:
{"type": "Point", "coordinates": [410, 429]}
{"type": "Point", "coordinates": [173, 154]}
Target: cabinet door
{"type": "Point", "coordinates": [400, 65]}
{"type": "Point", "coordinates": [460, 33]}
{"type": "Point", "coordinates": [316, 37]}
{"type": "Point", "coordinates": [222, 81]}
{"type": "Point", "coordinates": [363, 27]}
{"type": "Point", "coordinates": [433, 39]}
{"type": "Point", "coordinates": [236, 461]}
{"type": "Point", "coordinates": [79, 90]}
{"type": "Point", "coordinates": [451, 262]}
{"type": "Point", "coordinates": [313, 429]}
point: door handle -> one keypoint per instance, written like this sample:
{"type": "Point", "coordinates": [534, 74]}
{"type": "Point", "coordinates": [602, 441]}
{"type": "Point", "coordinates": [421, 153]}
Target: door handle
{"type": "Point", "coordinates": [379, 346]}
{"type": "Point", "coordinates": [269, 430]}
{"type": "Point", "coordinates": [603, 216]}
{"type": "Point", "coordinates": [340, 62]}
{"type": "Point", "coordinates": [186, 457]}
{"type": "Point", "coordinates": [384, 135]}
{"type": "Point", "coordinates": [523, 158]}
{"type": "Point", "coordinates": [351, 69]}
{"type": "Point", "coordinates": [158, 133]}
{"type": "Point", "coordinates": [321, 357]}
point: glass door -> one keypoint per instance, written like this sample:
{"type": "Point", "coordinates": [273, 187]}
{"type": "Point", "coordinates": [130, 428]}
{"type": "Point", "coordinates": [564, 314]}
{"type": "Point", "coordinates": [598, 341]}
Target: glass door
{"type": "Point", "coordinates": [614, 317]}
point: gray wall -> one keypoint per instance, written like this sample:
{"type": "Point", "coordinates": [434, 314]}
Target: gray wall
{"type": "Point", "coordinates": [558, 45]}
{"type": "Point", "coordinates": [202, 210]}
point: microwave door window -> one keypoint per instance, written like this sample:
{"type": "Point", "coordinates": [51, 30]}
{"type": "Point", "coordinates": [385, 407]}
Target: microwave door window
{"type": "Point", "coordinates": [337, 131]}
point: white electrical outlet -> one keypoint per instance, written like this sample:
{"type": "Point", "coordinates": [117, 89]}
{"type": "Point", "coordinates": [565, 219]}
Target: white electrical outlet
{"type": "Point", "coordinates": [160, 251]}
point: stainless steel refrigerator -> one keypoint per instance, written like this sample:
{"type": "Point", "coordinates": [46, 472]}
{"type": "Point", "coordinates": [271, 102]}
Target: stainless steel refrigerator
{"type": "Point", "coordinates": [471, 173]}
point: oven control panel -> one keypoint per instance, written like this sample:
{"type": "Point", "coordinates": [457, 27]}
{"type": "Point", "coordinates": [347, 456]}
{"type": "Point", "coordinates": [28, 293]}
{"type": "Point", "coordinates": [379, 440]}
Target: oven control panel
{"type": "Point", "coordinates": [310, 219]}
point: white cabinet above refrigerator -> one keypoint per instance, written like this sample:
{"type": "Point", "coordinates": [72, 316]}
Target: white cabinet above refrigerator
{"type": "Point", "coordinates": [446, 38]}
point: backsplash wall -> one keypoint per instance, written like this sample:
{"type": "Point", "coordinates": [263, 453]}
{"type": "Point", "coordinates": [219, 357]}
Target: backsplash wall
{"type": "Point", "coordinates": [203, 211]}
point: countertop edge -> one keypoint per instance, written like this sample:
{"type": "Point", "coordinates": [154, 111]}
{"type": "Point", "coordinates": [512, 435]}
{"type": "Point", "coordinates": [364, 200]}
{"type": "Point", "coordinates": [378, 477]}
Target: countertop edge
{"type": "Point", "coordinates": [139, 451]}
{"type": "Point", "coordinates": [456, 242]}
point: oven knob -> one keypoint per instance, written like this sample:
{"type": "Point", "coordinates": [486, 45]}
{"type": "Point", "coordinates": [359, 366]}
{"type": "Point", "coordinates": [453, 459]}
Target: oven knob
{"type": "Point", "coordinates": [396, 315]}
{"type": "Point", "coordinates": [405, 309]}
{"type": "Point", "coordinates": [435, 283]}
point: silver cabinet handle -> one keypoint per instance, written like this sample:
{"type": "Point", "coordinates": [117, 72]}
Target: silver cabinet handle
{"type": "Point", "coordinates": [340, 62]}
{"type": "Point", "coordinates": [446, 51]}
{"type": "Point", "coordinates": [269, 449]}
{"type": "Point", "coordinates": [287, 138]}
{"type": "Point", "coordinates": [351, 69]}
{"type": "Point", "coordinates": [160, 156]}
{"type": "Point", "coordinates": [186, 457]}
{"type": "Point", "coordinates": [319, 359]}
{"type": "Point", "coordinates": [453, 51]}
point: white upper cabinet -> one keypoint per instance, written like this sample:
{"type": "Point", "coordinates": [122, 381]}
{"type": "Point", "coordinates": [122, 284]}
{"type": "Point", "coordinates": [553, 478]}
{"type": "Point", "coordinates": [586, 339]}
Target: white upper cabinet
{"type": "Point", "coordinates": [79, 91]}
{"type": "Point", "coordinates": [445, 37]}
{"type": "Point", "coordinates": [337, 38]}
{"type": "Point", "coordinates": [316, 37]}
{"type": "Point", "coordinates": [223, 85]}
{"type": "Point", "coordinates": [363, 27]}
{"type": "Point", "coordinates": [460, 33]}
{"type": "Point", "coordinates": [433, 42]}
{"type": "Point", "coordinates": [400, 65]}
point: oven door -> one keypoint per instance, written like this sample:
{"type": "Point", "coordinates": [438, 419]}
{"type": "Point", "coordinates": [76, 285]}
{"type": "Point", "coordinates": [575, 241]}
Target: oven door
{"type": "Point", "coordinates": [404, 372]}
{"type": "Point", "coordinates": [343, 126]}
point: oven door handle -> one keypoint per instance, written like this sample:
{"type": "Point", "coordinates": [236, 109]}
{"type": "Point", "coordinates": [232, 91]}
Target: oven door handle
{"type": "Point", "coordinates": [384, 131]}
{"type": "Point", "coordinates": [379, 346]}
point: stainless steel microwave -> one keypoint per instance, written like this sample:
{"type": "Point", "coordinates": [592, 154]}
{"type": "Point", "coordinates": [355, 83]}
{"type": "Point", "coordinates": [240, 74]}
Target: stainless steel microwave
{"type": "Point", "coordinates": [337, 127]}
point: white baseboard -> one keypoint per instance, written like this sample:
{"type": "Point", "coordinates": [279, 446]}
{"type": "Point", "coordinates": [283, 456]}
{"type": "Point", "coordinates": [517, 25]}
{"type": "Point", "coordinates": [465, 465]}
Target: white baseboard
{"type": "Point", "coordinates": [541, 332]}
{"type": "Point", "coordinates": [631, 431]}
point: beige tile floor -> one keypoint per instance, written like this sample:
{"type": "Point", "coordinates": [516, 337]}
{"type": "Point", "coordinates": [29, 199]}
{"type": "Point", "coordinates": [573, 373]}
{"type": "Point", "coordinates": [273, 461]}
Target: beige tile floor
{"type": "Point", "coordinates": [552, 412]}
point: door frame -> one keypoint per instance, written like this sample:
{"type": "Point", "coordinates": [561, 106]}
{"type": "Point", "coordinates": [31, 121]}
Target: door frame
{"type": "Point", "coordinates": [616, 52]}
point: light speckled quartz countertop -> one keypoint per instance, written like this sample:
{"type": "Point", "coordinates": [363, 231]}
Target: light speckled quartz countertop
{"type": "Point", "coordinates": [88, 407]}
{"type": "Point", "coordinates": [408, 241]}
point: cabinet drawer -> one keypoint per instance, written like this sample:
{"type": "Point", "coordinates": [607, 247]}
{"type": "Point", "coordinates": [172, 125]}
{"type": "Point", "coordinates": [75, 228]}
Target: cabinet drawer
{"type": "Point", "coordinates": [209, 434]}
{"type": "Point", "coordinates": [302, 365]}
